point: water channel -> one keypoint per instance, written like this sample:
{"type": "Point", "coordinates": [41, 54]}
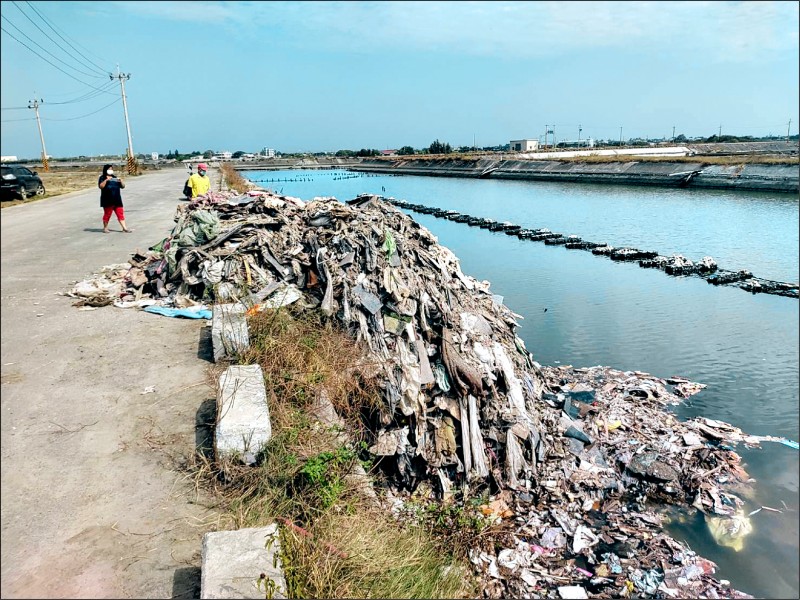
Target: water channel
{"type": "Point", "coordinates": [743, 346]}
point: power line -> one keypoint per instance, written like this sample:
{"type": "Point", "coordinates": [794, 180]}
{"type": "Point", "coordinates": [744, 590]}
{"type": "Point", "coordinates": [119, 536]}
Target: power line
{"type": "Point", "coordinates": [63, 62]}
{"type": "Point", "coordinates": [48, 62]}
{"type": "Point", "coordinates": [88, 95]}
{"type": "Point", "coordinates": [60, 47]}
{"type": "Point", "coordinates": [86, 115]}
{"type": "Point", "coordinates": [53, 27]}
{"type": "Point", "coordinates": [16, 120]}
{"type": "Point", "coordinates": [50, 25]}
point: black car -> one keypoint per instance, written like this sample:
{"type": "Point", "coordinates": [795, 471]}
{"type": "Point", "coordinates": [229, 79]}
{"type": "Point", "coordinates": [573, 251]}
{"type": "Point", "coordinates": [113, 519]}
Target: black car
{"type": "Point", "coordinates": [20, 181]}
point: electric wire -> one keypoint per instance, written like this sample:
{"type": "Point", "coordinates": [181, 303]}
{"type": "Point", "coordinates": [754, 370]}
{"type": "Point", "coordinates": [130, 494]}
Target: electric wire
{"type": "Point", "coordinates": [51, 26]}
{"type": "Point", "coordinates": [91, 67]}
{"type": "Point", "coordinates": [88, 95]}
{"type": "Point", "coordinates": [15, 120]}
{"type": "Point", "coordinates": [86, 115]}
{"type": "Point", "coordinates": [50, 63]}
{"type": "Point", "coordinates": [63, 62]}
{"type": "Point", "coordinates": [54, 28]}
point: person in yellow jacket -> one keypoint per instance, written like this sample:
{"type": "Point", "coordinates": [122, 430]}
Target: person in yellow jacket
{"type": "Point", "coordinates": [199, 182]}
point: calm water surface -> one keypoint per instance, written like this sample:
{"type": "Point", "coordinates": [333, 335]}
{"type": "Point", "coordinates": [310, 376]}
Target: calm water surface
{"type": "Point", "coordinates": [744, 347]}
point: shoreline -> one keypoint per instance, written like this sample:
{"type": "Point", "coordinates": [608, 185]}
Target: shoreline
{"type": "Point", "coordinates": [557, 417]}
{"type": "Point", "coordinates": [783, 178]}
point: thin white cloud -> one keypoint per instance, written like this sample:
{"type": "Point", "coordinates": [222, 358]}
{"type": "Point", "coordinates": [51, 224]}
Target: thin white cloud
{"type": "Point", "coordinates": [719, 31]}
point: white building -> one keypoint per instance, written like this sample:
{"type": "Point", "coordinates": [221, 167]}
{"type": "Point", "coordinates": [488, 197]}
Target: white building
{"type": "Point", "coordinates": [154, 155]}
{"type": "Point", "coordinates": [269, 152]}
{"type": "Point", "coordinates": [223, 156]}
{"type": "Point", "coordinates": [524, 145]}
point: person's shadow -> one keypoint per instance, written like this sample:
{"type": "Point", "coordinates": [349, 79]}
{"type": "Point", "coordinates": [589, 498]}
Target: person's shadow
{"type": "Point", "coordinates": [93, 229]}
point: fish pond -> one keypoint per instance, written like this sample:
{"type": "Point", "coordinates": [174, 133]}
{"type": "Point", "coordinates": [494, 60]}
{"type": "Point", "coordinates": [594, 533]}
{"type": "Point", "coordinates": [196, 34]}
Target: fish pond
{"type": "Point", "coordinates": [586, 310]}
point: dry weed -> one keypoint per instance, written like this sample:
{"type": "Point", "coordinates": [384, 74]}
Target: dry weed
{"type": "Point", "coordinates": [233, 180]}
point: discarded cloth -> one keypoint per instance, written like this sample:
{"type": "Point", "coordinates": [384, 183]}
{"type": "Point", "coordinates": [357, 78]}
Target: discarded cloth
{"type": "Point", "coordinates": [193, 312]}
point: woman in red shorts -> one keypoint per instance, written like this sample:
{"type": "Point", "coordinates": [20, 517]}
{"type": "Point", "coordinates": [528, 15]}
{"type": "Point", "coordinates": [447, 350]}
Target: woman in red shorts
{"type": "Point", "coordinates": [111, 198]}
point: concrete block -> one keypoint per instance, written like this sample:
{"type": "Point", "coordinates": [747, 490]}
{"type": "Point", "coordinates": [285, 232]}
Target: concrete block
{"type": "Point", "coordinates": [228, 330]}
{"type": "Point", "coordinates": [233, 562]}
{"type": "Point", "coordinates": [243, 424]}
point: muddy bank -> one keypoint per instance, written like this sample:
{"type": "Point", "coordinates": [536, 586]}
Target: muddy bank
{"type": "Point", "coordinates": [699, 174]}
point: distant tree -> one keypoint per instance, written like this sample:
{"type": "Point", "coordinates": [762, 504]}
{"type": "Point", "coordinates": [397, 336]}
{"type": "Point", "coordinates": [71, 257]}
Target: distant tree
{"type": "Point", "coordinates": [368, 152]}
{"type": "Point", "coordinates": [347, 153]}
{"type": "Point", "coordinates": [238, 154]}
{"type": "Point", "coordinates": [406, 151]}
{"type": "Point", "coordinates": [208, 154]}
{"type": "Point", "coordinates": [438, 147]}
{"type": "Point", "coordinates": [680, 138]}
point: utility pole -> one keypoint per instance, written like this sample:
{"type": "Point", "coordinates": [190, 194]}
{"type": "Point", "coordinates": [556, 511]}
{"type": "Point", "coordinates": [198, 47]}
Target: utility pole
{"type": "Point", "coordinates": [720, 132]}
{"type": "Point", "coordinates": [788, 129]}
{"type": "Point", "coordinates": [123, 77]}
{"type": "Point", "coordinates": [546, 129]}
{"type": "Point", "coordinates": [673, 134]}
{"type": "Point", "coordinates": [620, 136]}
{"type": "Point", "coordinates": [579, 135]}
{"type": "Point", "coordinates": [34, 104]}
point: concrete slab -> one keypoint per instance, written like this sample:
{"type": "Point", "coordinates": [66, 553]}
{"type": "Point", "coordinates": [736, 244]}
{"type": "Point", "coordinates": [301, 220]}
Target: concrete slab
{"type": "Point", "coordinates": [243, 423]}
{"type": "Point", "coordinates": [228, 330]}
{"type": "Point", "coordinates": [234, 562]}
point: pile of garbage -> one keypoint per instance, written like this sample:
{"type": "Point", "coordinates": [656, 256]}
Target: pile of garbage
{"type": "Point", "coordinates": [575, 457]}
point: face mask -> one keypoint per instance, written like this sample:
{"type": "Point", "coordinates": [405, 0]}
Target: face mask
{"type": "Point", "coordinates": [110, 172]}
{"type": "Point", "coordinates": [201, 172]}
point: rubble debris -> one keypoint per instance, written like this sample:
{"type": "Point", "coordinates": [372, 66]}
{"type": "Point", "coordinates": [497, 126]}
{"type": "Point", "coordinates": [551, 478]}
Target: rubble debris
{"type": "Point", "coordinates": [581, 458]}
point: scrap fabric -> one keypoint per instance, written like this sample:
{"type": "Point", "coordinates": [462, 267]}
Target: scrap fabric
{"type": "Point", "coordinates": [578, 460]}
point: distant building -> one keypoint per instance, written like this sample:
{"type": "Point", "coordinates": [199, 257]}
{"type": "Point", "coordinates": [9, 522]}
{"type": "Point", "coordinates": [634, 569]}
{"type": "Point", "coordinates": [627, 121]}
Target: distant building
{"type": "Point", "coordinates": [8, 159]}
{"type": "Point", "coordinates": [524, 145]}
{"type": "Point", "coordinates": [388, 152]}
{"type": "Point", "coordinates": [269, 153]}
{"type": "Point", "coordinates": [154, 155]}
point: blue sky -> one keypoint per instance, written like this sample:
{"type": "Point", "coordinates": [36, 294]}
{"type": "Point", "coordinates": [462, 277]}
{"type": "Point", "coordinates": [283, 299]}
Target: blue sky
{"type": "Point", "coordinates": [324, 76]}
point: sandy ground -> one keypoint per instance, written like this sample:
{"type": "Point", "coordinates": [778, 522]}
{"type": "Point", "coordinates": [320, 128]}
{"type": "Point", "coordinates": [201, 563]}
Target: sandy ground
{"type": "Point", "coordinates": [63, 181]}
{"type": "Point", "coordinates": [93, 504]}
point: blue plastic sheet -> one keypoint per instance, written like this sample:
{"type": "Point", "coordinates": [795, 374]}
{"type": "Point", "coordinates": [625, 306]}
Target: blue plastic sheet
{"type": "Point", "coordinates": [179, 312]}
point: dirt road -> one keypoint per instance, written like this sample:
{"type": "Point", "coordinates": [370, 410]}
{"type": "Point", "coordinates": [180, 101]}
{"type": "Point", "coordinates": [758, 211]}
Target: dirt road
{"type": "Point", "coordinates": [92, 504]}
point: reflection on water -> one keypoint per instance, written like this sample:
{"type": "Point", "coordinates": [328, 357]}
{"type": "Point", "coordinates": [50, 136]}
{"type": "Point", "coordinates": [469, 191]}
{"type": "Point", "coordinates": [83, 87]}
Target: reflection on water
{"type": "Point", "coordinates": [744, 347]}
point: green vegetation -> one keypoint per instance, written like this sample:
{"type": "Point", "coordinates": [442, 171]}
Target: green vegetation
{"type": "Point", "coordinates": [438, 147]}
{"type": "Point", "coordinates": [304, 477]}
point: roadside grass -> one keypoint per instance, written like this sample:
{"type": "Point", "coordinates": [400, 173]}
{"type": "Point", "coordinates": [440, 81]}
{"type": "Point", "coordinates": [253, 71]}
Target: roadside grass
{"type": "Point", "coordinates": [57, 183]}
{"type": "Point", "coordinates": [336, 541]}
{"type": "Point", "coordinates": [233, 180]}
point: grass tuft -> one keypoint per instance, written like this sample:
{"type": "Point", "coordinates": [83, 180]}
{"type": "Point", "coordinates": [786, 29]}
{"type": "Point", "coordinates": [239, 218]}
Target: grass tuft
{"type": "Point", "coordinates": [303, 479]}
{"type": "Point", "coordinates": [233, 180]}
